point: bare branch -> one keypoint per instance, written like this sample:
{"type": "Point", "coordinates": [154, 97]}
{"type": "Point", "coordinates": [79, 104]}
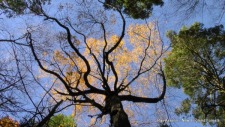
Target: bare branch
{"type": "Point", "coordinates": [144, 99]}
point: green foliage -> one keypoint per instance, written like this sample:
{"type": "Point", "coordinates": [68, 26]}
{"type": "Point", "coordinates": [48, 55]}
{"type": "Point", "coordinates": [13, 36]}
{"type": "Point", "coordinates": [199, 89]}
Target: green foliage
{"type": "Point", "coordinates": [135, 8]}
{"type": "Point", "coordinates": [17, 7]}
{"type": "Point", "coordinates": [9, 6]}
{"type": "Point", "coordinates": [185, 107]}
{"type": "Point", "coordinates": [197, 64]}
{"type": "Point", "coordinates": [61, 121]}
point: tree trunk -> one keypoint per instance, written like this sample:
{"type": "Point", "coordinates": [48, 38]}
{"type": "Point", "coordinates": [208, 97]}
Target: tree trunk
{"type": "Point", "coordinates": [118, 117]}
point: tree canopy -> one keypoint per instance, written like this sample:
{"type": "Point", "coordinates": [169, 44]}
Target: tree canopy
{"type": "Point", "coordinates": [134, 8]}
{"type": "Point", "coordinates": [196, 64]}
{"type": "Point", "coordinates": [17, 7]}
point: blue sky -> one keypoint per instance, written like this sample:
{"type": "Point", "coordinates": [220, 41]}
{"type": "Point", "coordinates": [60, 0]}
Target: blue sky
{"type": "Point", "coordinates": [167, 20]}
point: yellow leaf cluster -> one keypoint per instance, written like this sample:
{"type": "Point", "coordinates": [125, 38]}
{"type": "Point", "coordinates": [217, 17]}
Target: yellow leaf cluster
{"type": "Point", "coordinates": [8, 122]}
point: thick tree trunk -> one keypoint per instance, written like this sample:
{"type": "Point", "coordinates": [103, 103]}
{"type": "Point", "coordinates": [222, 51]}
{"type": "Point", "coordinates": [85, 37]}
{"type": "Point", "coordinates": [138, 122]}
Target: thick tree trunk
{"type": "Point", "coordinates": [118, 116]}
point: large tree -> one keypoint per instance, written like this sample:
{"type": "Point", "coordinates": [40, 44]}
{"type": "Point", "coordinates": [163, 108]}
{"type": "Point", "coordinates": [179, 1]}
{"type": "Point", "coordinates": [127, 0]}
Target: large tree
{"type": "Point", "coordinates": [91, 65]}
{"type": "Point", "coordinates": [197, 65]}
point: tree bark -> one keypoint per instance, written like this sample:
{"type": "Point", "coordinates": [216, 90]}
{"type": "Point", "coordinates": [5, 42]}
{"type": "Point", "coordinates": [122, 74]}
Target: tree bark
{"type": "Point", "coordinates": [118, 117]}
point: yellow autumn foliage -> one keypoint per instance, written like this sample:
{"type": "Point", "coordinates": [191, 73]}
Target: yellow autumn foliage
{"type": "Point", "coordinates": [8, 122]}
{"type": "Point", "coordinates": [141, 46]}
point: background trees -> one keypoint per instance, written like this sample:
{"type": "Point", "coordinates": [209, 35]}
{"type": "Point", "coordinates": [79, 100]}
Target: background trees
{"type": "Point", "coordinates": [135, 8]}
{"type": "Point", "coordinates": [8, 122]}
{"type": "Point", "coordinates": [17, 7]}
{"type": "Point", "coordinates": [196, 63]}
{"type": "Point", "coordinates": [61, 120]}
